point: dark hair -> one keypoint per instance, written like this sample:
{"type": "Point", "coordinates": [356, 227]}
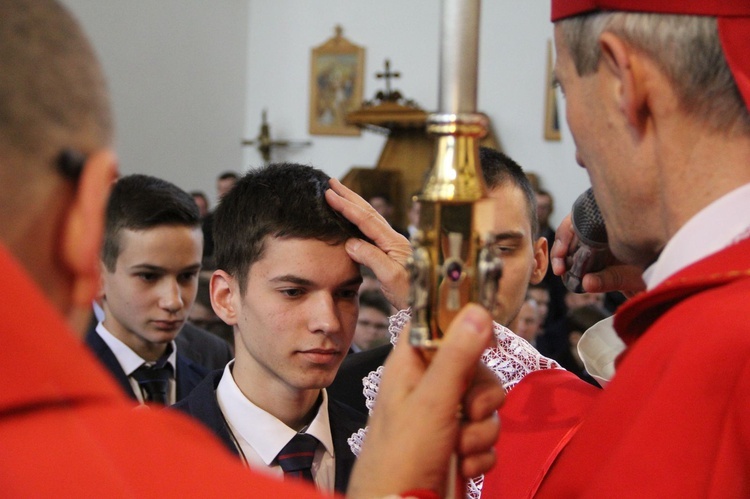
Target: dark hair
{"type": "Point", "coordinates": [140, 202]}
{"type": "Point", "coordinates": [542, 192]}
{"type": "Point", "coordinates": [283, 200]}
{"type": "Point", "coordinates": [227, 175]}
{"type": "Point", "coordinates": [375, 299]}
{"type": "Point", "coordinates": [199, 194]}
{"type": "Point", "coordinates": [498, 168]}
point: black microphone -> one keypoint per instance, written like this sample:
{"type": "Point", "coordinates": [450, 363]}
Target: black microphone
{"type": "Point", "coordinates": [591, 253]}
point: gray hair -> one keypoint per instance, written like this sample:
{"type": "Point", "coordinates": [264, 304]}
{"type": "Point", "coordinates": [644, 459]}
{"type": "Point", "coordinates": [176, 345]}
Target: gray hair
{"type": "Point", "coordinates": [686, 48]}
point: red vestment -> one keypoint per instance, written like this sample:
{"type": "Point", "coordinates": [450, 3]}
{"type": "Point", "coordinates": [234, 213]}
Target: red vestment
{"type": "Point", "coordinates": [675, 420]}
{"type": "Point", "coordinates": [66, 430]}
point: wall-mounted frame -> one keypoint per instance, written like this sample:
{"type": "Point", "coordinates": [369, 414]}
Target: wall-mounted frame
{"type": "Point", "coordinates": [551, 114]}
{"type": "Point", "coordinates": [336, 81]}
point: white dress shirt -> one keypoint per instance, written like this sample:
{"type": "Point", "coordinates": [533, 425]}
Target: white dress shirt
{"type": "Point", "coordinates": [130, 361]}
{"type": "Point", "coordinates": [261, 436]}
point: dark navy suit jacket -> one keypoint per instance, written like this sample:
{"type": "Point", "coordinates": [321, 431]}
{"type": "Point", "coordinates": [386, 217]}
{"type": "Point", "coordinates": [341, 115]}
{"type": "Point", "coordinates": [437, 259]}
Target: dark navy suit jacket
{"type": "Point", "coordinates": [188, 374]}
{"type": "Point", "coordinates": [203, 406]}
{"type": "Point", "coordinates": [202, 347]}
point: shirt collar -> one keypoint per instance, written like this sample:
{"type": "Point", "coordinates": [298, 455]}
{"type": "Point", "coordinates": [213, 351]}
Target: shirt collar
{"type": "Point", "coordinates": [128, 359]}
{"type": "Point", "coordinates": [702, 236]}
{"type": "Point", "coordinates": [265, 433]}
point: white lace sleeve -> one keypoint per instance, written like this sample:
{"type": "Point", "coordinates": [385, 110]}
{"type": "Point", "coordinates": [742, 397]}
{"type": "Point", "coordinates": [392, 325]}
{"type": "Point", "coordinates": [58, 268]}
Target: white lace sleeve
{"type": "Point", "coordinates": [511, 359]}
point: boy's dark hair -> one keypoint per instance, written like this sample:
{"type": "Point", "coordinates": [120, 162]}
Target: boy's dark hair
{"type": "Point", "coordinates": [497, 168]}
{"type": "Point", "coordinates": [227, 175]}
{"type": "Point", "coordinates": [199, 194]}
{"type": "Point", "coordinates": [375, 299]}
{"type": "Point", "coordinates": [140, 202]}
{"type": "Point", "coordinates": [283, 200]}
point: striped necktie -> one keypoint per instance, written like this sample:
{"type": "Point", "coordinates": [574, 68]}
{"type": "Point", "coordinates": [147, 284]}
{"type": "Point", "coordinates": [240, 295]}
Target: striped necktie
{"type": "Point", "coordinates": [296, 457]}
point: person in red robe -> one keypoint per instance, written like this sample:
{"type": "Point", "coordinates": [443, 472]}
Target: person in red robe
{"type": "Point", "coordinates": [657, 97]}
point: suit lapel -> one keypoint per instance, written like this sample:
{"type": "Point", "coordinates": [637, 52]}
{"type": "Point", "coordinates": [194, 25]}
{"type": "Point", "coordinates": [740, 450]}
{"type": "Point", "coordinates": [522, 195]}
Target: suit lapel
{"type": "Point", "coordinates": [203, 405]}
{"type": "Point", "coordinates": [109, 361]}
{"type": "Point", "coordinates": [188, 375]}
{"type": "Point", "coordinates": [344, 422]}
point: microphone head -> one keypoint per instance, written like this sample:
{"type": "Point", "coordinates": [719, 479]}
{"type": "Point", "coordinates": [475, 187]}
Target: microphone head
{"type": "Point", "coordinates": [587, 220]}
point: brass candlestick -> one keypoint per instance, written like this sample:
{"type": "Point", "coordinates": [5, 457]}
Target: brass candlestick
{"type": "Point", "coordinates": [455, 260]}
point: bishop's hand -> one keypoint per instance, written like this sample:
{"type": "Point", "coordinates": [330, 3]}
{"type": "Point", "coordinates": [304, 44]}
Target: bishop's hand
{"type": "Point", "coordinates": [387, 257]}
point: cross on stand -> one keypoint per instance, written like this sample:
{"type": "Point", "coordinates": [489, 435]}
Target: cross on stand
{"type": "Point", "coordinates": [264, 142]}
{"type": "Point", "coordinates": [387, 75]}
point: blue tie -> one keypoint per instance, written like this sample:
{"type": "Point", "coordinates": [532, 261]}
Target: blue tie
{"type": "Point", "coordinates": [154, 380]}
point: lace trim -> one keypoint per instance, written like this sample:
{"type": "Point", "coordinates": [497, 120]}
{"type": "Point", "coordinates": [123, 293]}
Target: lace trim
{"type": "Point", "coordinates": [511, 359]}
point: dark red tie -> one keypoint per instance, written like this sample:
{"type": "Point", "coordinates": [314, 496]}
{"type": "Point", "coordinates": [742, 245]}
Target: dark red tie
{"type": "Point", "coordinates": [296, 457]}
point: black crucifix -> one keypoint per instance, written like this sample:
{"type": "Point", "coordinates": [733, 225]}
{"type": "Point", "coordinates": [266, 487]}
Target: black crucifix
{"type": "Point", "coordinates": [264, 142]}
{"type": "Point", "coordinates": [388, 95]}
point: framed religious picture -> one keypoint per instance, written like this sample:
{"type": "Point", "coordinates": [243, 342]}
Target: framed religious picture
{"type": "Point", "coordinates": [336, 79]}
{"type": "Point", "coordinates": [551, 114]}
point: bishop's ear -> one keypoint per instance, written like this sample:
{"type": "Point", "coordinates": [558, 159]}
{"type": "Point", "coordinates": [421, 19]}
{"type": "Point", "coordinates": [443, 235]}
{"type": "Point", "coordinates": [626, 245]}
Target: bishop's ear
{"type": "Point", "coordinates": [627, 73]}
{"type": "Point", "coordinates": [225, 296]}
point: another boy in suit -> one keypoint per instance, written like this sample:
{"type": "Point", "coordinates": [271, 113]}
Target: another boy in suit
{"type": "Point", "coordinates": [524, 262]}
{"type": "Point", "coordinates": [150, 263]}
{"type": "Point", "coordinates": [286, 284]}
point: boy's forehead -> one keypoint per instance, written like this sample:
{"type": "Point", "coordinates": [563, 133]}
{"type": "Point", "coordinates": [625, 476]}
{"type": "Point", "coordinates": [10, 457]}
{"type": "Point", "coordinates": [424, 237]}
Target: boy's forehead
{"type": "Point", "coordinates": [158, 231]}
{"type": "Point", "coordinates": [512, 208]}
{"type": "Point", "coordinates": [295, 251]}
{"type": "Point", "coordinates": [160, 239]}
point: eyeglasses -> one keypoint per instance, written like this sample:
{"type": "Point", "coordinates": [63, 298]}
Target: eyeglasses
{"type": "Point", "coordinates": [375, 325]}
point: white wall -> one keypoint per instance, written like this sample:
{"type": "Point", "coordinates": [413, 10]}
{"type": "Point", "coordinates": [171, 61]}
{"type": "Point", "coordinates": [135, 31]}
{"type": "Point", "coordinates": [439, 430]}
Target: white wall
{"type": "Point", "coordinates": [190, 77]}
{"type": "Point", "coordinates": [176, 71]}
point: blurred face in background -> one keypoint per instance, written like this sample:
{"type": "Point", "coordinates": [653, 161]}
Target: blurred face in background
{"type": "Point", "coordinates": [541, 297]}
{"type": "Point", "coordinates": [372, 328]}
{"type": "Point", "coordinates": [543, 208]}
{"type": "Point", "coordinates": [527, 323]}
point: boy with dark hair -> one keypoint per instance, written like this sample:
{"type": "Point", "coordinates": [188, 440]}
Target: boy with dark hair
{"type": "Point", "coordinates": [524, 262]}
{"type": "Point", "coordinates": [286, 284]}
{"type": "Point", "coordinates": [224, 183]}
{"type": "Point", "coordinates": [372, 321]}
{"type": "Point", "coordinates": [150, 263]}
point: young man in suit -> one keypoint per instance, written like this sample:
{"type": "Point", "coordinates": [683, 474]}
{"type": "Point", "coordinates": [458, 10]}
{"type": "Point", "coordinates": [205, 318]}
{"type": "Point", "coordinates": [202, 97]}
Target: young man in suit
{"type": "Point", "coordinates": [524, 262]}
{"type": "Point", "coordinates": [150, 263]}
{"type": "Point", "coordinates": [286, 284]}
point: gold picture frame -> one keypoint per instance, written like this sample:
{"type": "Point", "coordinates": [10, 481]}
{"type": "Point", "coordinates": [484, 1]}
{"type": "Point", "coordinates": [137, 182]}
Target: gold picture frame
{"type": "Point", "coordinates": [551, 113]}
{"type": "Point", "coordinates": [336, 80]}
